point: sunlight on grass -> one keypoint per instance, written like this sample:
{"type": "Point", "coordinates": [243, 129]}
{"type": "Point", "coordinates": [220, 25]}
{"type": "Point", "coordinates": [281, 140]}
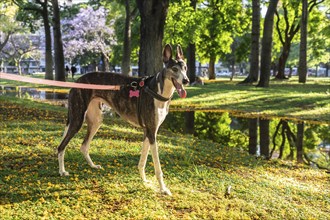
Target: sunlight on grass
{"type": "Point", "coordinates": [198, 172]}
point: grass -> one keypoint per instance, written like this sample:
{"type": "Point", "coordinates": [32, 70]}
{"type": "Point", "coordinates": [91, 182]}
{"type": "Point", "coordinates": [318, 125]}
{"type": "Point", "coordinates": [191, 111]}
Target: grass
{"type": "Point", "coordinates": [198, 172]}
{"type": "Point", "coordinates": [283, 99]}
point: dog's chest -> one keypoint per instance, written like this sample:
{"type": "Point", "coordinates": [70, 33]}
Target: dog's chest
{"type": "Point", "coordinates": [161, 111]}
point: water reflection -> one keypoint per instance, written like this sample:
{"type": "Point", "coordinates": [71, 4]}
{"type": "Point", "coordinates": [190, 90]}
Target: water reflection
{"type": "Point", "coordinates": [27, 92]}
{"type": "Point", "coordinates": [271, 138]}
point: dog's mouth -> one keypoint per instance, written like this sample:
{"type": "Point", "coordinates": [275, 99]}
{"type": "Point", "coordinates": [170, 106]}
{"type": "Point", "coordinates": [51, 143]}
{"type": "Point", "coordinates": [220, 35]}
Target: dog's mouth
{"type": "Point", "coordinates": [179, 89]}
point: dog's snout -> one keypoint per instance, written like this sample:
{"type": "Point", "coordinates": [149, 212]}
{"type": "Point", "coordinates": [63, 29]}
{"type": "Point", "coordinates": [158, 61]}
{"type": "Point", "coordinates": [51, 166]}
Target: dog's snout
{"type": "Point", "coordinates": [185, 81]}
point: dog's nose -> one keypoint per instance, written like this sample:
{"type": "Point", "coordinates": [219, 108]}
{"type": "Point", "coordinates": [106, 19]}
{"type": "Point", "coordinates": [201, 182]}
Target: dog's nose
{"type": "Point", "coordinates": [185, 81]}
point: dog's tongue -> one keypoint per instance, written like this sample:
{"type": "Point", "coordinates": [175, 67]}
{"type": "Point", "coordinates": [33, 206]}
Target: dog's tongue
{"type": "Point", "coordinates": [180, 90]}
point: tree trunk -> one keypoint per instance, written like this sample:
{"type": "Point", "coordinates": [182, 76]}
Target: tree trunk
{"type": "Point", "coordinates": [212, 67]}
{"type": "Point", "coordinates": [290, 72]}
{"type": "Point", "coordinates": [153, 15]}
{"type": "Point", "coordinates": [267, 40]}
{"type": "Point", "coordinates": [300, 139]}
{"type": "Point", "coordinates": [255, 36]}
{"type": "Point", "coordinates": [253, 135]}
{"type": "Point", "coordinates": [3, 44]}
{"type": "Point", "coordinates": [191, 55]}
{"type": "Point", "coordinates": [264, 137]}
{"type": "Point", "coordinates": [48, 43]}
{"type": "Point", "coordinates": [126, 61]}
{"type": "Point", "coordinates": [302, 67]}
{"type": "Point", "coordinates": [189, 122]}
{"type": "Point", "coordinates": [18, 64]}
{"type": "Point", "coordinates": [282, 61]}
{"type": "Point", "coordinates": [58, 44]}
{"type": "Point", "coordinates": [105, 63]}
{"type": "Point", "coordinates": [191, 62]}
{"type": "Point", "coordinates": [233, 70]}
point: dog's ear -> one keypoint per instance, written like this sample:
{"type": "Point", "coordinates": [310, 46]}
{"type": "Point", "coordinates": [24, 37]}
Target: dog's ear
{"type": "Point", "coordinates": [179, 53]}
{"type": "Point", "coordinates": [167, 53]}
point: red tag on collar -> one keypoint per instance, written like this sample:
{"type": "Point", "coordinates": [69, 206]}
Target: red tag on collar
{"type": "Point", "coordinates": [141, 84]}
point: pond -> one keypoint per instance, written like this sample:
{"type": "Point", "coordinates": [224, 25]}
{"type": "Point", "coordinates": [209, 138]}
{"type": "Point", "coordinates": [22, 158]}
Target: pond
{"type": "Point", "coordinates": [50, 95]}
{"type": "Point", "coordinates": [281, 137]}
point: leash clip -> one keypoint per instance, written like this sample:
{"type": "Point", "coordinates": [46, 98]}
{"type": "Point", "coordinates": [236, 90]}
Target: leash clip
{"type": "Point", "coordinates": [134, 85]}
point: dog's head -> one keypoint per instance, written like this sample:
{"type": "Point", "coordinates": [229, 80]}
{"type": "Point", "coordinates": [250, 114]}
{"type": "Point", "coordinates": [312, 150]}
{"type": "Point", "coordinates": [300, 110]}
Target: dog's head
{"type": "Point", "coordinates": [176, 69]}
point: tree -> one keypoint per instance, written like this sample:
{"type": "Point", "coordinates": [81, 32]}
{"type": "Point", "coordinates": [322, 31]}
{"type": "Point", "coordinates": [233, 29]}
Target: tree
{"type": "Point", "coordinates": [30, 13]}
{"type": "Point", "coordinates": [153, 15]}
{"type": "Point", "coordinates": [267, 40]}
{"type": "Point", "coordinates": [318, 48]}
{"type": "Point", "coordinates": [255, 36]}
{"type": "Point", "coordinates": [286, 134]}
{"type": "Point", "coordinates": [19, 47]}
{"type": "Point", "coordinates": [264, 137]}
{"type": "Point", "coordinates": [88, 33]}
{"type": "Point", "coordinates": [253, 135]}
{"type": "Point", "coordinates": [127, 47]}
{"type": "Point", "coordinates": [8, 25]}
{"type": "Point", "coordinates": [58, 44]}
{"type": "Point", "coordinates": [191, 60]}
{"type": "Point", "coordinates": [189, 117]}
{"type": "Point", "coordinates": [300, 138]}
{"type": "Point", "coordinates": [302, 68]}
{"type": "Point", "coordinates": [183, 25]}
{"type": "Point", "coordinates": [287, 33]}
{"type": "Point", "coordinates": [288, 27]}
{"type": "Point", "coordinates": [222, 22]}
{"type": "Point", "coordinates": [48, 41]}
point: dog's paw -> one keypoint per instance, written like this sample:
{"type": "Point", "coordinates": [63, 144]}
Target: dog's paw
{"type": "Point", "coordinates": [97, 167]}
{"type": "Point", "coordinates": [166, 191]}
{"type": "Point", "coordinates": [64, 173]}
{"type": "Point", "coordinates": [146, 181]}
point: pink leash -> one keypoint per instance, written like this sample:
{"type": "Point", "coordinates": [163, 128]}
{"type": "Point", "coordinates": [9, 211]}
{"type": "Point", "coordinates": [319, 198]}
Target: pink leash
{"type": "Point", "coordinates": [57, 83]}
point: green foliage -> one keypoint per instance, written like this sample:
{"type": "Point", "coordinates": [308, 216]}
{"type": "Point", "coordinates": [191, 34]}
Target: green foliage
{"type": "Point", "coordinates": [212, 26]}
{"type": "Point", "coordinates": [8, 15]}
{"type": "Point", "coordinates": [213, 126]}
{"type": "Point", "coordinates": [319, 35]}
{"type": "Point", "coordinates": [118, 14]}
{"type": "Point", "coordinates": [183, 24]}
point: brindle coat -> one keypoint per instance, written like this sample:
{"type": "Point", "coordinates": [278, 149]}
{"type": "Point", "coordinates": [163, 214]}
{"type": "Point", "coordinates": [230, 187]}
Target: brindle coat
{"type": "Point", "coordinates": [147, 111]}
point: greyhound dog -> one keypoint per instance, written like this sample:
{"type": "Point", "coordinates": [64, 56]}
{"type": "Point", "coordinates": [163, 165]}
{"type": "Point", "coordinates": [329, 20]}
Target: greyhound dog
{"type": "Point", "coordinates": [143, 102]}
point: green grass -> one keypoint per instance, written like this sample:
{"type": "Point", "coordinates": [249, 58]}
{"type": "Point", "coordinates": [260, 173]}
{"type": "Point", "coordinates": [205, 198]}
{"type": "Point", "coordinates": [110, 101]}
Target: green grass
{"type": "Point", "coordinates": [283, 99]}
{"type": "Point", "coordinates": [198, 173]}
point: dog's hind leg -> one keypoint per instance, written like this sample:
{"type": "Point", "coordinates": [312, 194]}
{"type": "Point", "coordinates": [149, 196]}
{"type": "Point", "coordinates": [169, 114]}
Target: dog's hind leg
{"type": "Point", "coordinates": [71, 129]}
{"type": "Point", "coordinates": [94, 119]}
{"type": "Point", "coordinates": [76, 114]}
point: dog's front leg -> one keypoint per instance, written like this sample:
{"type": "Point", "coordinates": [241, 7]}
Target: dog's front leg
{"type": "Point", "coordinates": [143, 159]}
{"type": "Point", "coordinates": [158, 170]}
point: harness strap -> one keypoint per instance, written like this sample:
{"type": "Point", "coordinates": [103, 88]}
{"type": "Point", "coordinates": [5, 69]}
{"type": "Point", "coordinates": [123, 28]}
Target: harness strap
{"type": "Point", "coordinates": [152, 94]}
{"type": "Point", "coordinates": [139, 115]}
{"type": "Point", "coordinates": [156, 95]}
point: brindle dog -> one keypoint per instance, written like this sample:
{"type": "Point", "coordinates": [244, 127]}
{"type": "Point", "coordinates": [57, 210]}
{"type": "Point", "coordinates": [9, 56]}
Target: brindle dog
{"type": "Point", "coordinates": [143, 102]}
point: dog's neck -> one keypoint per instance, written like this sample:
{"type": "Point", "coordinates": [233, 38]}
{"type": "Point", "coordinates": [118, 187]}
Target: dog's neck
{"type": "Point", "coordinates": [165, 86]}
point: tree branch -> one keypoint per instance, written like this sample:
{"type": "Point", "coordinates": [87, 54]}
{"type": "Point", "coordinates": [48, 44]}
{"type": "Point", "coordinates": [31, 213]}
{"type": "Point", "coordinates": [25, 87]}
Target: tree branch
{"type": "Point", "coordinates": [278, 27]}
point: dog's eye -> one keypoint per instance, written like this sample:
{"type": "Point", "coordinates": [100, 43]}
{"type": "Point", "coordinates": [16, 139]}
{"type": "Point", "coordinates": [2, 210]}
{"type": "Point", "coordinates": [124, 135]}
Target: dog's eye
{"type": "Point", "coordinates": [175, 69]}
